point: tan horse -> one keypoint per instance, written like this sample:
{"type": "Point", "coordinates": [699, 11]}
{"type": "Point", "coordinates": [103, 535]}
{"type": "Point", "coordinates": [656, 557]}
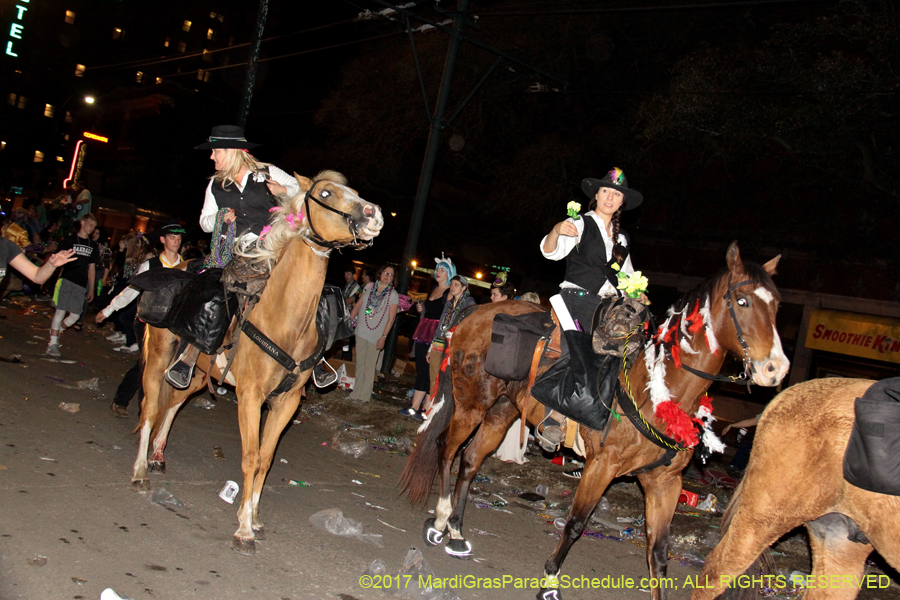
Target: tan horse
{"type": "Point", "coordinates": [324, 215]}
{"type": "Point", "coordinates": [701, 328]}
{"type": "Point", "coordinates": [795, 477]}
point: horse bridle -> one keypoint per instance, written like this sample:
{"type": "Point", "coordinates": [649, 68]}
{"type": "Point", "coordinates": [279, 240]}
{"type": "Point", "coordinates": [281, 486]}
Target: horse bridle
{"type": "Point", "coordinates": [317, 239]}
{"type": "Point", "coordinates": [746, 375]}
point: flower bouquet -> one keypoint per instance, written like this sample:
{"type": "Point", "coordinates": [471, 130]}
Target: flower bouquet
{"type": "Point", "coordinates": [572, 209]}
{"type": "Point", "coordinates": [631, 284]}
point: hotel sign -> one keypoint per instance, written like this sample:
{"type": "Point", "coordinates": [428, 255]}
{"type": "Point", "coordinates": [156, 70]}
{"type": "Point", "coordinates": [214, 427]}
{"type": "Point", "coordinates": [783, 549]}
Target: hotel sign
{"type": "Point", "coordinates": [855, 334]}
{"type": "Point", "coordinates": [17, 28]}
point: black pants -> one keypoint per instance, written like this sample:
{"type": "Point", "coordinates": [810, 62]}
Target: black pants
{"type": "Point", "coordinates": [132, 381]}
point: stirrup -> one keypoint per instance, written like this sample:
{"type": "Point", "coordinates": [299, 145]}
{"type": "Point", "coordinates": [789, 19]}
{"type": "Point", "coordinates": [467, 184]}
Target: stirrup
{"type": "Point", "coordinates": [549, 444]}
{"type": "Point", "coordinates": [324, 374]}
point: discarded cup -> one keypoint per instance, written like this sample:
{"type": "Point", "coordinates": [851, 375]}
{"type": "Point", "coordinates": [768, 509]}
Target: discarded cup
{"type": "Point", "coordinates": [558, 460]}
{"type": "Point", "coordinates": [71, 407]}
{"type": "Point", "coordinates": [542, 489]}
{"type": "Point", "coordinates": [229, 492]}
{"type": "Point", "coordinates": [559, 523]}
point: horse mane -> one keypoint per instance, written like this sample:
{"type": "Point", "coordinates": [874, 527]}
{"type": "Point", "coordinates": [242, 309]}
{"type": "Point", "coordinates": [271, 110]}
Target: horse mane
{"type": "Point", "coordinates": [285, 224]}
{"type": "Point", "coordinates": [755, 274]}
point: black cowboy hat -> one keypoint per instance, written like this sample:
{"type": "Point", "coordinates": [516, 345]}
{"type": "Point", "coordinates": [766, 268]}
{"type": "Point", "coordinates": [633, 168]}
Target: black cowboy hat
{"type": "Point", "coordinates": [226, 136]}
{"type": "Point", "coordinates": [615, 179]}
{"type": "Point", "coordinates": [170, 227]}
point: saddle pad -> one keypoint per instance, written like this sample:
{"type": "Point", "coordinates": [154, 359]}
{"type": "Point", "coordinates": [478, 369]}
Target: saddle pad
{"type": "Point", "coordinates": [872, 458]}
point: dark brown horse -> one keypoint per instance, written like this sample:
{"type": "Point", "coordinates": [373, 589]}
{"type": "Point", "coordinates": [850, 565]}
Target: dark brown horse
{"type": "Point", "coordinates": [327, 213]}
{"type": "Point", "coordinates": [700, 329]}
{"type": "Point", "coordinates": [795, 476]}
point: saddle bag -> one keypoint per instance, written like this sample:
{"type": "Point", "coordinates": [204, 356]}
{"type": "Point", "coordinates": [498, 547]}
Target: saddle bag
{"type": "Point", "coordinates": [332, 317]}
{"type": "Point", "coordinates": [581, 384]}
{"type": "Point", "coordinates": [872, 457]}
{"type": "Point", "coordinates": [202, 312]}
{"type": "Point", "coordinates": [160, 288]}
{"type": "Point", "coordinates": [513, 339]}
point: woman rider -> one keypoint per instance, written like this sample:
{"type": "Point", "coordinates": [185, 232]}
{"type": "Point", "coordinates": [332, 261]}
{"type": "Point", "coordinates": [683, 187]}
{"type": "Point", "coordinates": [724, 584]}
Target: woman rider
{"type": "Point", "coordinates": [241, 193]}
{"type": "Point", "coordinates": [591, 244]}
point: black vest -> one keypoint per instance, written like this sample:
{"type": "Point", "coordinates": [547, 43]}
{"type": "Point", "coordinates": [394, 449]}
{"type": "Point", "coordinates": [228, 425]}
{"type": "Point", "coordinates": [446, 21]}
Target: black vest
{"type": "Point", "coordinates": [250, 206]}
{"type": "Point", "coordinates": [587, 265]}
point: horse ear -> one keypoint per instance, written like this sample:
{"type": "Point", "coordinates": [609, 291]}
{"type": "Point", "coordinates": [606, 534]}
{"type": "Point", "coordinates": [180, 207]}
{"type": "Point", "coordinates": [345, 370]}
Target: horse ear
{"type": "Point", "coordinates": [770, 266]}
{"type": "Point", "coordinates": [733, 257]}
{"type": "Point", "coordinates": [305, 183]}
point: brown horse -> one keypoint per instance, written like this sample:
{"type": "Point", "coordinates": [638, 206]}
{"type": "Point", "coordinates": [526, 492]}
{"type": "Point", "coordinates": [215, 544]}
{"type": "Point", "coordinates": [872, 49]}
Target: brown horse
{"type": "Point", "coordinates": [326, 214]}
{"type": "Point", "coordinates": [701, 326]}
{"type": "Point", "coordinates": [795, 476]}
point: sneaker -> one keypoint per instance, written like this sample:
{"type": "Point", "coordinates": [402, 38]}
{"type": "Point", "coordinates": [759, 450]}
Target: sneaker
{"type": "Point", "coordinates": [407, 412]}
{"type": "Point", "coordinates": [116, 337]}
{"type": "Point", "coordinates": [419, 416]}
{"type": "Point", "coordinates": [53, 350]}
{"type": "Point", "coordinates": [574, 473]}
{"type": "Point", "coordinates": [127, 349]}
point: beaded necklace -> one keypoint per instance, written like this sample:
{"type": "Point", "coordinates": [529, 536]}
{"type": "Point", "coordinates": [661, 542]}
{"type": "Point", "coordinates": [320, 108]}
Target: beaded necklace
{"type": "Point", "coordinates": [223, 242]}
{"type": "Point", "coordinates": [447, 317]}
{"type": "Point", "coordinates": [375, 302]}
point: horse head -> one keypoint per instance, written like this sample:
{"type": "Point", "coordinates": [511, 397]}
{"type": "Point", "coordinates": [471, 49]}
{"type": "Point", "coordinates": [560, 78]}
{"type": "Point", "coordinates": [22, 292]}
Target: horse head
{"type": "Point", "coordinates": [334, 214]}
{"type": "Point", "coordinates": [744, 304]}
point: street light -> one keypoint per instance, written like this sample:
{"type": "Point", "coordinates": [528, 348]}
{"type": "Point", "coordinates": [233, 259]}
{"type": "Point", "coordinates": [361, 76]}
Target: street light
{"type": "Point", "coordinates": [89, 99]}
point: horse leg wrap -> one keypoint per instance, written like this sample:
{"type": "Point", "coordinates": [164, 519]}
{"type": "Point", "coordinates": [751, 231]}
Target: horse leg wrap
{"type": "Point", "coordinates": [459, 548]}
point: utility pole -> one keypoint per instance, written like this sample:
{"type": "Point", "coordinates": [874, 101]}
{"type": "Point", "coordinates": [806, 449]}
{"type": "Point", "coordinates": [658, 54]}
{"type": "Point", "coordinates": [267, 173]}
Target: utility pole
{"type": "Point", "coordinates": [253, 63]}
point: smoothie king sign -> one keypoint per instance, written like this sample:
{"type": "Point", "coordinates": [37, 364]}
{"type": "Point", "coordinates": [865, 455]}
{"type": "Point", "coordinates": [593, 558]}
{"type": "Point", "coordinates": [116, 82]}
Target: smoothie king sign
{"type": "Point", "coordinates": [865, 336]}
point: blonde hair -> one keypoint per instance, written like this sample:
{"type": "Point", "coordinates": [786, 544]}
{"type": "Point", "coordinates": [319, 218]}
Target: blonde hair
{"type": "Point", "coordinates": [531, 297]}
{"type": "Point", "coordinates": [239, 160]}
{"type": "Point", "coordinates": [136, 247]}
{"type": "Point", "coordinates": [282, 230]}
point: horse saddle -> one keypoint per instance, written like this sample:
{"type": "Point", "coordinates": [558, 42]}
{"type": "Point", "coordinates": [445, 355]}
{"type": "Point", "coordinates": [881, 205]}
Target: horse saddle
{"type": "Point", "coordinates": [872, 457]}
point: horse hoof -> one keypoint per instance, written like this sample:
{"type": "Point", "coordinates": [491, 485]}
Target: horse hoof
{"type": "Point", "coordinates": [432, 536]}
{"type": "Point", "coordinates": [259, 533]}
{"type": "Point", "coordinates": [245, 547]}
{"type": "Point", "coordinates": [459, 549]}
{"type": "Point", "coordinates": [549, 594]}
{"type": "Point", "coordinates": [140, 485]}
{"type": "Point", "coordinates": [156, 466]}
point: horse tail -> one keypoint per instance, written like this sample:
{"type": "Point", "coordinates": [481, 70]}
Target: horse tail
{"type": "Point", "coordinates": [763, 565]}
{"type": "Point", "coordinates": [424, 458]}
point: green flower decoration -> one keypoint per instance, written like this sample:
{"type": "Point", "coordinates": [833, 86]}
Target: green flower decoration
{"type": "Point", "coordinates": [572, 209]}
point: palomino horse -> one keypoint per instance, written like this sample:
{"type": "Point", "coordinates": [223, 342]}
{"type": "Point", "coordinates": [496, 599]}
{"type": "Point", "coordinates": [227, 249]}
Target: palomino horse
{"type": "Point", "coordinates": [795, 476]}
{"type": "Point", "coordinates": [705, 322]}
{"type": "Point", "coordinates": [326, 214]}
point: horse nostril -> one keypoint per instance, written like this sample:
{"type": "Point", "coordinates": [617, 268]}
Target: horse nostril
{"type": "Point", "coordinates": [770, 367]}
{"type": "Point", "coordinates": [368, 210]}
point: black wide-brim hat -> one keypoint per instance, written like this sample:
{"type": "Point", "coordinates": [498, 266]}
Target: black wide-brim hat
{"type": "Point", "coordinates": [615, 179]}
{"type": "Point", "coordinates": [226, 136]}
{"type": "Point", "coordinates": [170, 227]}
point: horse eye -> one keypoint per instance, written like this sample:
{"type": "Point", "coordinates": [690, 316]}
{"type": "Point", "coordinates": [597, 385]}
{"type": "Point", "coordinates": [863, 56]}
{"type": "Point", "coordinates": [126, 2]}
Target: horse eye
{"type": "Point", "coordinates": [742, 301]}
{"type": "Point", "coordinates": [324, 194]}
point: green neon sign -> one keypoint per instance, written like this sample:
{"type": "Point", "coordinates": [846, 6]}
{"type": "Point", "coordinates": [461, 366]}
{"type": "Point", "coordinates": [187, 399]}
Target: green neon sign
{"type": "Point", "coordinates": [17, 28]}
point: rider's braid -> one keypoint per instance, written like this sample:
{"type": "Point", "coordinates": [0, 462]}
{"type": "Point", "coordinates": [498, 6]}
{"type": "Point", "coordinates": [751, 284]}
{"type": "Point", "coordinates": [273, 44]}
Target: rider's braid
{"type": "Point", "coordinates": [618, 250]}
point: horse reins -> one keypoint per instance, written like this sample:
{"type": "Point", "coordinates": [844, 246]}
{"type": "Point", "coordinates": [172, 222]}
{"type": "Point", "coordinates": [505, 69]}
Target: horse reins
{"type": "Point", "coordinates": [317, 239]}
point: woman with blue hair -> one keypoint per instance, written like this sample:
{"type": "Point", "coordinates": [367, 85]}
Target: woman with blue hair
{"type": "Point", "coordinates": [430, 310]}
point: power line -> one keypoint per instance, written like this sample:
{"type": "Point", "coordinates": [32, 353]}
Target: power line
{"type": "Point", "coordinates": [660, 8]}
{"type": "Point", "coordinates": [153, 61]}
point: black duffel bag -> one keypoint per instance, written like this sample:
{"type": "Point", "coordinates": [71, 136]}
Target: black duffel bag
{"type": "Point", "coordinates": [202, 313]}
{"type": "Point", "coordinates": [575, 384]}
{"type": "Point", "coordinates": [513, 338]}
{"type": "Point", "coordinates": [332, 316]}
{"type": "Point", "coordinates": [160, 288]}
{"type": "Point", "coordinates": [872, 457]}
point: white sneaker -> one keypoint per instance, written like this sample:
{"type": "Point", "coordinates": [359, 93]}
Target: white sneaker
{"type": "Point", "coordinates": [116, 337]}
{"type": "Point", "coordinates": [53, 350]}
{"type": "Point", "coordinates": [127, 349]}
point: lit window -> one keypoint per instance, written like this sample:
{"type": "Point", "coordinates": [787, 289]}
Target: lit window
{"type": "Point", "coordinates": [210, 34]}
{"type": "Point", "coordinates": [66, 137]}
{"type": "Point", "coordinates": [60, 159]}
{"type": "Point", "coordinates": [207, 56]}
{"type": "Point", "coordinates": [221, 18]}
{"type": "Point", "coordinates": [2, 145]}
{"type": "Point", "coordinates": [139, 77]}
{"type": "Point", "coordinates": [23, 101]}
{"type": "Point", "coordinates": [159, 80]}
{"type": "Point", "coordinates": [38, 156]}
{"type": "Point", "coordinates": [200, 74]}
{"type": "Point", "coordinates": [212, 15]}
{"type": "Point", "coordinates": [186, 26]}
{"type": "Point", "coordinates": [12, 99]}
{"type": "Point", "coordinates": [79, 70]}
{"type": "Point", "coordinates": [206, 76]}
{"type": "Point", "coordinates": [68, 117]}
{"type": "Point", "coordinates": [48, 110]}
{"type": "Point", "coordinates": [182, 46]}
{"type": "Point", "coordinates": [118, 34]}
{"type": "Point", "coordinates": [70, 17]}
{"type": "Point", "coordinates": [167, 42]}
